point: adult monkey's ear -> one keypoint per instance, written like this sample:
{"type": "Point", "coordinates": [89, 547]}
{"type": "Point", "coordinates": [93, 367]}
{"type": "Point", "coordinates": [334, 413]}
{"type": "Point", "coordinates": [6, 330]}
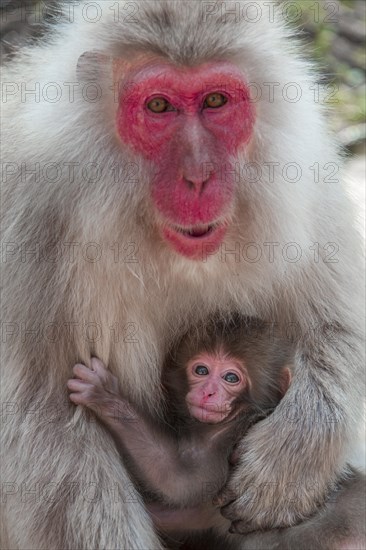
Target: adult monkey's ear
{"type": "Point", "coordinates": [92, 65]}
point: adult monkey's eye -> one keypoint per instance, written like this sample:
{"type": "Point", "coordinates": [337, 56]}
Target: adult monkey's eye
{"type": "Point", "coordinates": [202, 370]}
{"type": "Point", "coordinates": [215, 100]}
{"type": "Point", "coordinates": [159, 105]}
{"type": "Point", "coordinates": [231, 377]}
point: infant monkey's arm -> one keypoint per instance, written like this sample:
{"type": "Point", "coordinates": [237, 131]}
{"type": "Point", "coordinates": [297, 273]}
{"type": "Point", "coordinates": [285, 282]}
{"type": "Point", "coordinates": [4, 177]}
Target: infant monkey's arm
{"type": "Point", "coordinates": [177, 469]}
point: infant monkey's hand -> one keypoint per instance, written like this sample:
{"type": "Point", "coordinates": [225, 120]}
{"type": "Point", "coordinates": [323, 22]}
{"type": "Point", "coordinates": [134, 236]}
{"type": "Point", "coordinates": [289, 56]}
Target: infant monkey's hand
{"type": "Point", "coordinates": [96, 388]}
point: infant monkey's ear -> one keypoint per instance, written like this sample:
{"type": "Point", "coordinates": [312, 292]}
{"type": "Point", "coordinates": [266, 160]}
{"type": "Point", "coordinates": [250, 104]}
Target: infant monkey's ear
{"type": "Point", "coordinates": [285, 380]}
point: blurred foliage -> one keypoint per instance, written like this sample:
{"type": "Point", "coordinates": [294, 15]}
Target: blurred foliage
{"type": "Point", "coordinates": [336, 31]}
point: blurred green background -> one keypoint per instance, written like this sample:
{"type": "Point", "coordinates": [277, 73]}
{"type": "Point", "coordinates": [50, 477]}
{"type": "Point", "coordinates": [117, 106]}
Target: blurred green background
{"type": "Point", "coordinates": [334, 32]}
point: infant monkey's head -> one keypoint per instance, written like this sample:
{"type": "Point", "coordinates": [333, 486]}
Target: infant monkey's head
{"type": "Point", "coordinates": [228, 364]}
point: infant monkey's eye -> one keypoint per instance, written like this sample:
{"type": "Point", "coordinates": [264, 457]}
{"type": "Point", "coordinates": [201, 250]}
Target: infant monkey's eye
{"type": "Point", "coordinates": [202, 370]}
{"type": "Point", "coordinates": [231, 377]}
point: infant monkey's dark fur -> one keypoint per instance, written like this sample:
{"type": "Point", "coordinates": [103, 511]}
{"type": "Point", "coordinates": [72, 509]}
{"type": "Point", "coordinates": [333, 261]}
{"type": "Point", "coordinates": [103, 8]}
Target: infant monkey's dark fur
{"type": "Point", "coordinates": [181, 463]}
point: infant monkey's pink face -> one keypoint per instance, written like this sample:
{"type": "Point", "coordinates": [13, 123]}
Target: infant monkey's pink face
{"type": "Point", "coordinates": [215, 381]}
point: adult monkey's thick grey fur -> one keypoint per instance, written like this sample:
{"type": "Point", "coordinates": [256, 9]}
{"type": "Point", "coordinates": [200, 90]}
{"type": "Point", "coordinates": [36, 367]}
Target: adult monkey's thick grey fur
{"type": "Point", "coordinates": [83, 494]}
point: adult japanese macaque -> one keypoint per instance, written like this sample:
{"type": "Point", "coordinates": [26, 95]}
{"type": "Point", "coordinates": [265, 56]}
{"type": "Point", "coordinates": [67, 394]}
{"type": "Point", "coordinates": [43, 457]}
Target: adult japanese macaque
{"type": "Point", "coordinates": [159, 166]}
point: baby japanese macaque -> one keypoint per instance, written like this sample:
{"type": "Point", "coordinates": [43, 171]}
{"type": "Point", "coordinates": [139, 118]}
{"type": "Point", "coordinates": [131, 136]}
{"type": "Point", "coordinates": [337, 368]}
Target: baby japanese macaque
{"type": "Point", "coordinates": [218, 381]}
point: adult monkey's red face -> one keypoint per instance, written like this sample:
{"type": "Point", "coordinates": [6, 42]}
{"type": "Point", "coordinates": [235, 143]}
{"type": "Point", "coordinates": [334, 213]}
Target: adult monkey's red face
{"type": "Point", "coordinates": [189, 122]}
